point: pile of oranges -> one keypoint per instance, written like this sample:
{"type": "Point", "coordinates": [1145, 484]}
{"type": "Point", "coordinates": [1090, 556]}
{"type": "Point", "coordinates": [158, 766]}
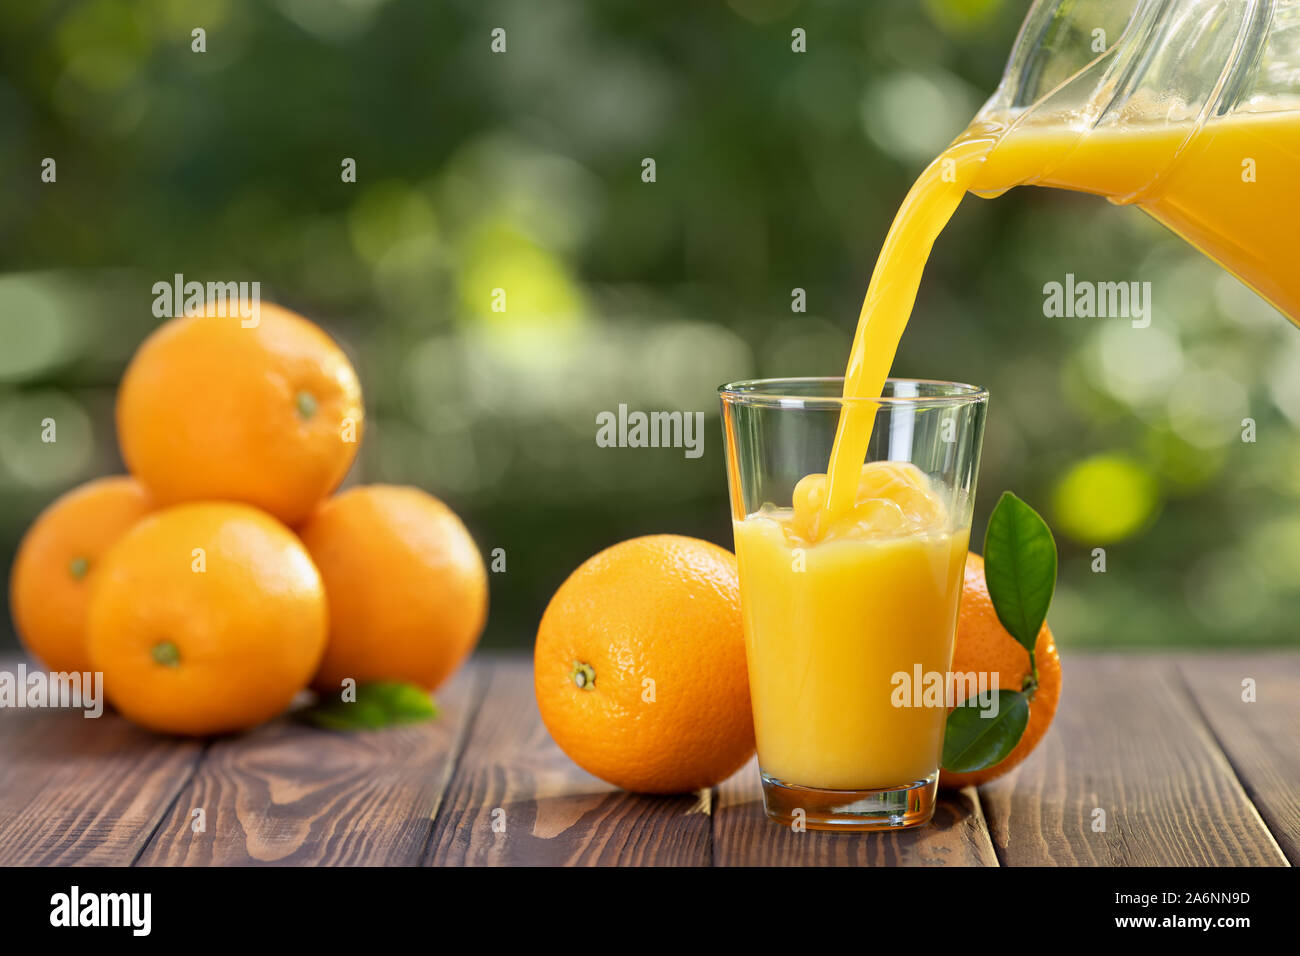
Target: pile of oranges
{"type": "Point", "coordinates": [220, 578]}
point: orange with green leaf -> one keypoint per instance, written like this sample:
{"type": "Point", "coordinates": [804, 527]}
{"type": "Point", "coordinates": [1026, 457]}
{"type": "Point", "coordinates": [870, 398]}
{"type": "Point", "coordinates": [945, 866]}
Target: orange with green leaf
{"type": "Point", "coordinates": [1002, 630]}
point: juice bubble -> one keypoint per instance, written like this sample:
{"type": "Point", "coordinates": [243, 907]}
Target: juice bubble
{"type": "Point", "coordinates": [893, 498]}
{"type": "Point", "coordinates": [810, 492]}
{"type": "Point", "coordinates": [887, 479]}
{"type": "Point", "coordinates": [809, 497]}
{"type": "Point", "coordinates": [923, 508]}
{"type": "Point", "coordinates": [877, 517]}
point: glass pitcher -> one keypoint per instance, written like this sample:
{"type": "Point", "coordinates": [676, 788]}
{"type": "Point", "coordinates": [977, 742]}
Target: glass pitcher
{"type": "Point", "coordinates": [1189, 109]}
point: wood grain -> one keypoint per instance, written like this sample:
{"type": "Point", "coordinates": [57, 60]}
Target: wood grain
{"type": "Point", "coordinates": [1261, 739]}
{"type": "Point", "coordinates": [1129, 741]}
{"type": "Point", "coordinates": [288, 793]}
{"type": "Point", "coordinates": [82, 791]}
{"type": "Point", "coordinates": [516, 799]}
{"type": "Point", "coordinates": [744, 836]}
{"type": "Point", "coordinates": [1186, 772]}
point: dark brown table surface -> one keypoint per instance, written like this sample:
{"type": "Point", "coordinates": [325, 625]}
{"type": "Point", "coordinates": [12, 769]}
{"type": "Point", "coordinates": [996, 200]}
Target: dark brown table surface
{"type": "Point", "coordinates": [1186, 773]}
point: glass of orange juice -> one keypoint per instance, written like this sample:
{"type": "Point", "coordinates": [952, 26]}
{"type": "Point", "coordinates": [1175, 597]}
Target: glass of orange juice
{"type": "Point", "coordinates": [849, 614]}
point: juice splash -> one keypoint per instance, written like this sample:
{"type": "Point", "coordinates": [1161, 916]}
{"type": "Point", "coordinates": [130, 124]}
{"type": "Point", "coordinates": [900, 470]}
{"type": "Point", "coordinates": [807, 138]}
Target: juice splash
{"type": "Point", "coordinates": [828, 628]}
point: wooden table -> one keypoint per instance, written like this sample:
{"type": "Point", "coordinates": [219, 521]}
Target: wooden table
{"type": "Point", "coordinates": [1186, 773]}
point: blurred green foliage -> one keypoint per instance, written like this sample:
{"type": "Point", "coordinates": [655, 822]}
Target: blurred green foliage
{"type": "Point", "coordinates": [522, 171]}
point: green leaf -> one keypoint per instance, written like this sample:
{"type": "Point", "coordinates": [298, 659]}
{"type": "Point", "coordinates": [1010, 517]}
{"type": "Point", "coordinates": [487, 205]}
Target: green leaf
{"type": "Point", "coordinates": [973, 741]}
{"type": "Point", "coordinates": [1020, 567]}
{"type": "Point", "coordinates": [379, 704]}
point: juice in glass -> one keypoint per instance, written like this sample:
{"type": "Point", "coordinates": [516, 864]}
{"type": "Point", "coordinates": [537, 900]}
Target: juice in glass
{"type": "Point", "coordinates": [843, 619]}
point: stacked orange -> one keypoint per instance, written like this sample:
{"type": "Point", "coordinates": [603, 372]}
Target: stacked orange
{"type": "Point", "coordinates": [221, 578]}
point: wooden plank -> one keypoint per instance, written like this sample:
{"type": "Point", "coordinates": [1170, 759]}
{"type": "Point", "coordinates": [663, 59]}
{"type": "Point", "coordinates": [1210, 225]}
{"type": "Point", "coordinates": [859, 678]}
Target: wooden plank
{"type": "Point", "coordinates": [1128, 741]}
{"type": "Point", "coordinates": [288, 793]}
{"type": "Point", "coordinates": [516, 799]}
{"type": "Point", "coordinates": [744, 836]}
{"type": "Point", "coordinates": [1260, 738]}
{"type": "Point", "coordinates": [82, 791]}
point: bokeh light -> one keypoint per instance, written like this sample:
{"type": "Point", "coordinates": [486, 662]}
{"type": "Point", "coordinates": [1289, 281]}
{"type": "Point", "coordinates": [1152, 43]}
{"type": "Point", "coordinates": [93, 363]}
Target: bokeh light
{"type": "Point", "coordinates": [1105, 498]}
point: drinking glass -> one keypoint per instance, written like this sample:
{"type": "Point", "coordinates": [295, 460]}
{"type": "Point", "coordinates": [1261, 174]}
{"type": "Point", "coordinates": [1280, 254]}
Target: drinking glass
{"type": "Point", "coordinates": [844, 619]}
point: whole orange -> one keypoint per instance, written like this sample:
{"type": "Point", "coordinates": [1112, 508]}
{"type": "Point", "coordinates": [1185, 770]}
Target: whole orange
{"type": "Point", "coordinates": [983, 644]}
{"type": "Point", "coordinates": [639, 667]}
{"type": "Point", "coordinates": [49, 586]}
{"type": "Point", "coordinates": [206, 618]}
{"type": "Point", "coordinates": [269, 415]}
{"type": "Point", "coordinates": [406, 586]}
